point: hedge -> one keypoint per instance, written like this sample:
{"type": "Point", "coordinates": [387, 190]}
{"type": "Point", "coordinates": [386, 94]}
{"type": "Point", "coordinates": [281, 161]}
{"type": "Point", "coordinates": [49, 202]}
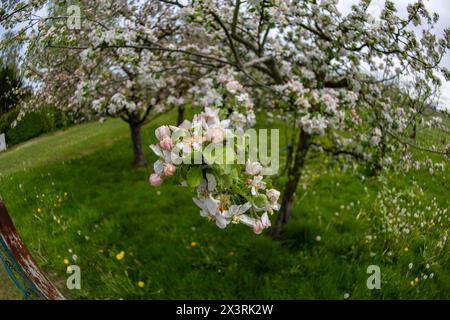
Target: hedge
{"type": "Point", "coordinates": [32, 125]}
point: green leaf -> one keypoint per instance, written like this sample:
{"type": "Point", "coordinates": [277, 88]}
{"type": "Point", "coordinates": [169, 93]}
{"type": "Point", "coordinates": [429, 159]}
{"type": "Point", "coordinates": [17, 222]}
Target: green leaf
{"type": "Point", "coordinates": [260, 201]}
{"type": "Point", "coordinates": [225, 181]}
{"type": "Point", "coordinates": [208, 156]}
{"type": "Point", "coordinates": [194, 177]}
{"type": "Point", "coordinates": [178, 134]}
{"type": "Point", "coordinates": [230, 155]}
{"type": "Point", "coordinates": [224, 155]}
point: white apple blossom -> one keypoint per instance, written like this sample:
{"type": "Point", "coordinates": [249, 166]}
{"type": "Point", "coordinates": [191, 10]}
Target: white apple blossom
{"type": "Point", "coordinates": [216, 199]}
{"type": "Point", "coordinates": [253, 168]}
{"type": "Point", "coordinates": [273, 195]}
{"type": "Point", "coordinates": [257, 184]}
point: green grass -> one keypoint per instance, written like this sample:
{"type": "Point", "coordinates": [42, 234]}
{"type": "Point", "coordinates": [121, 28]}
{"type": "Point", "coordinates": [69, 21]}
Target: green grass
{"type": "Point", "coordinates": [76, 141]}
{"type": "Point", "coordinates": [77, 190]}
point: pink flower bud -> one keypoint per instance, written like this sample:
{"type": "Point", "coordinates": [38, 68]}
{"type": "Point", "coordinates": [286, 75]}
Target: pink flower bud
{"type": "Point", "coordinates": [155, 180]}
{"type": "Point", "coordinates": [258, 227]}
{"type": "Point", "coordinates": [162, 132]}
{"type": "Point", "coordinates": [169, 170]}
{"type": "Point", "coordinates": [166, 143]}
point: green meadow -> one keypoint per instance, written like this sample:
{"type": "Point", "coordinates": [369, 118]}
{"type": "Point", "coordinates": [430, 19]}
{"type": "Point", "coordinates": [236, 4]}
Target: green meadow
{"type": "Point", "coordinates": [76, 199]}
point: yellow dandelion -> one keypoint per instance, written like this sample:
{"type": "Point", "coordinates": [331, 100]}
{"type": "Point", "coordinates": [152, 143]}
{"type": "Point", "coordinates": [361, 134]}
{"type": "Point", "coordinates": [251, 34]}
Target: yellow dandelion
{"type": "Point", "coordinates": [406, 249]}
{"type": "Point", "coordinates": [141, 284]}
{"type": "Point", "coordinates": [65, 194]}
{"type": "Point", "coordinates": [194, 244]}
{"type": "Point", "coordinates": [66, 261]}
{"type": "Point", "coordinates": [412, 283]}
{"type": "Point", "coordinates": [416, 280]}
{"type": "Point", "coordinates": [39, 210]}
{"type": "Point", "coordinates": [120, 255]}
{"type": "Point", "coordinates": [58, 221]}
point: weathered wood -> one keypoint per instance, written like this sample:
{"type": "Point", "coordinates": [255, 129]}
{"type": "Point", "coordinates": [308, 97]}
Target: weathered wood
{"type": "Point", "coordinates": [22, 262]}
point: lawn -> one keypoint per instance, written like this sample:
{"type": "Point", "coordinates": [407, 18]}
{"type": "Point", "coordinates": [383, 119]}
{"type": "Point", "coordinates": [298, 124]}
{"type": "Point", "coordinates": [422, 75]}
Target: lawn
{"type": "Point", "coordinates": [74, 195]}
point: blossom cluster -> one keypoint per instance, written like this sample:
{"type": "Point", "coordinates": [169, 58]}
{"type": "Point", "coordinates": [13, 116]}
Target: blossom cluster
{"type": "Point", "coordinates": [225, 89]}
{"type": "Point", "coordinates": [230, 193]}
{"type": "Point", "coordinates": [317, 110]}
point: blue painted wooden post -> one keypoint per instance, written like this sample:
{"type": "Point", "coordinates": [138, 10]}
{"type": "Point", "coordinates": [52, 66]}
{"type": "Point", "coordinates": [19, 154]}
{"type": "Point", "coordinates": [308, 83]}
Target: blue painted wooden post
{"type": "Point", "coordinates": [20, 265]}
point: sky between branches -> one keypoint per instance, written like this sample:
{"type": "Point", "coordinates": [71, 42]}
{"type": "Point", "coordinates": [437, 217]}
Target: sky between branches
{"type": "Point", "coordinates": [442, 7]}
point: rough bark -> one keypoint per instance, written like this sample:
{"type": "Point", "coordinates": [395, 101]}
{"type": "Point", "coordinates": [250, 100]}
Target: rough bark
{"type": "Point", "coordinates": [136, 137]}
{"type": "Point", "coordinates": [294, 174]}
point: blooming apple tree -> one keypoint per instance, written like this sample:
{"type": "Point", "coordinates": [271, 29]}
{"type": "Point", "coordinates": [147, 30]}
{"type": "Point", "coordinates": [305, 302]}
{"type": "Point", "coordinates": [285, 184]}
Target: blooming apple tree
{"type": "Point", "coordinates": [337, 77]}
{"type": "Point", "coordinates": [90, 72]}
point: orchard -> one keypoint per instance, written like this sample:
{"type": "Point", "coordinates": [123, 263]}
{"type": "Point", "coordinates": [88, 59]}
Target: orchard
{"type": "Point", "coordinates": [347, 105]}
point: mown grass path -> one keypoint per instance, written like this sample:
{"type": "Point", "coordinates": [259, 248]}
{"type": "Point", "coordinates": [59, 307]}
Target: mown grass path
{"type": "Point", "coordinates": [76, 141]}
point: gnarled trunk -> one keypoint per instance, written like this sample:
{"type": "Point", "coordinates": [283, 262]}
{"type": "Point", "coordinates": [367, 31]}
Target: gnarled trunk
{"type": "Point", "coordinates": [136, 137]}
{"type": "Point", "coordinates": [294, 174]}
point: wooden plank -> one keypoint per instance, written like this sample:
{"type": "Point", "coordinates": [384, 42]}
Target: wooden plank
{"type": "Point", "coordinates": [22, 261]}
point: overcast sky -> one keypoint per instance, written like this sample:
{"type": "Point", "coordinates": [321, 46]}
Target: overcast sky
{"type": "Point", "coordinates": [442, 7]}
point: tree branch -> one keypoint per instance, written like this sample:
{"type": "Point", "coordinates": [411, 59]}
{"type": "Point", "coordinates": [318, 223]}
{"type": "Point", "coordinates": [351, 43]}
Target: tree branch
{"type": "Point", "coordinates": [412, 145]}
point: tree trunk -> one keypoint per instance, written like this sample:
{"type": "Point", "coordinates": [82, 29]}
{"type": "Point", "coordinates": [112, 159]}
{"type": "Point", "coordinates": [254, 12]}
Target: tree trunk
{"type": "Point", "coordinates": [181, 112]}
{"type": "Point", "coordinates": [414, 132]}
{"type": "Point", "coordinates": [294, 174]}
{"type": "Point", "coordinates": [136, 137]}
